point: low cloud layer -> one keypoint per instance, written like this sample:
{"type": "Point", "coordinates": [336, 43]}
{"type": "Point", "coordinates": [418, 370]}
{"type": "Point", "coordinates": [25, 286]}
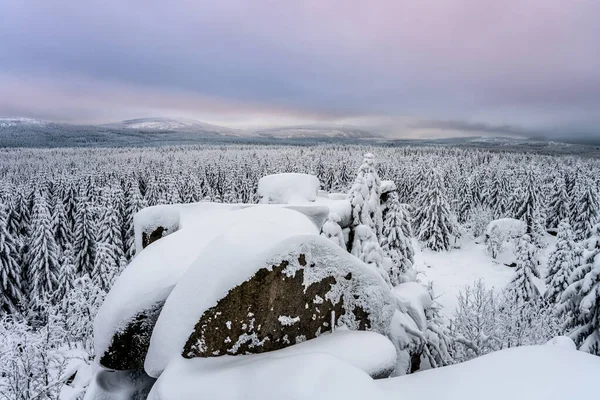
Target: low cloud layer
{"type": "Point", "coordinates": [501, 68]}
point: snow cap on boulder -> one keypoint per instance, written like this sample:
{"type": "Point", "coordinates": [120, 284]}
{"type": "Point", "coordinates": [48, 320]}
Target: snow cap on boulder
{"type": "Point", "coordinates": [289, 188]}
{"type": "Point", "coordinates": [261, 286]}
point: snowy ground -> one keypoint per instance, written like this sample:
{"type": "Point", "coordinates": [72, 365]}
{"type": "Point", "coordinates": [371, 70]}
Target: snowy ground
{"type": "Point", "coordinates": [452, 270]}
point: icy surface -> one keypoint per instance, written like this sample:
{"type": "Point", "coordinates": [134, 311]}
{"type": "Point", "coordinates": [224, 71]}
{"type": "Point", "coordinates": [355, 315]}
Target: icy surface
{"type": "Point", "coordinates": [289, 188]}
{"type": "Point", "coordinates": [258, 246]}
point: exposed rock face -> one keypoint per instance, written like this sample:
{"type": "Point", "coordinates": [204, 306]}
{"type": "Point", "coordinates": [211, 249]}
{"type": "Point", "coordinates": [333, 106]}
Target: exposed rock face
{"type": "Point", "coordinates": [150, 237]}
{"type": "Point", "coordinates": [130, 344]}
{"type": "Point", "coordinates": [291, 302]}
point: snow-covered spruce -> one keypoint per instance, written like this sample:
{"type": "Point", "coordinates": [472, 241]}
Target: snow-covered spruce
{"type": "Point", "coordinates": [561, 263]}
{"type": "Point", "coordinates": [580, 301]}
{"type": "Point", "coordinates": [396, 245]}
{"type": "Point", "coordinates": [356, 292]}
{"type": "Point", "coordinates": [522, 288]}
{"type": "Point", "coordinates": [432, 219]}
{"type": "Point", "coordinates": [365, 198]}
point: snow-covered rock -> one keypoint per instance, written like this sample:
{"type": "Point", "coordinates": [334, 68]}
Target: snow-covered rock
{"type": "Point", "coordinates": [564, 342]}
{"type": "Point", "coordinates": [369, 352]}
{"type": "Point", "coordinates": [119, 385]}
{"type": "Point", "coordinates": [387, 186]}
{"type": "Point", "coordinates": [509, 228]}
{"type": "Point", "coordinates": [301, 377]}
{"type": "Point", "coordinates": [156, 222]}
{"type": "Point", "coordinates": [530, 372]}
{"type": "Point", "coordinates": [229, 302]}
{"type": "Point", "coordinates": [288, 188]}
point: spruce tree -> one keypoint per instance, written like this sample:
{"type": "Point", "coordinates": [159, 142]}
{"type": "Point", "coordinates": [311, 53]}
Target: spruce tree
{"type": "Point", "coordinates": [364, 198]}
{"type": "Point", "coordinates": [521, 288]}
{"type": "Point", "coordinates": [558, 208]}
{"type": "Point", "coordinates": [11, 288]}
{"type": "Point", "coordinates": [529, 210]}
{"type": "Point", "coordinates": [432, 218]}
{"type": "Point", "coordinates": [61, 227]}
{"type": "Point", "coordinates": [561, 263]}
{"type": "Point", "coordinates": [331, 230]}
{"type": "Point", "coordinates": [580, 302]}
{"type": "Point", "coordinates": [42, 254]}
{"type": "Point", "coordinates": [135, 202]}
{"type": "Point", "coordinates": [367, 249]}
{"type": "Point", "coordinates": [84, 236]}
{"type": "Point", "coordinates": [584, 210]}
{"type": "Point", "coordinates": [67, 274]}
{"type": "Point", "coordinates": [393, 240]}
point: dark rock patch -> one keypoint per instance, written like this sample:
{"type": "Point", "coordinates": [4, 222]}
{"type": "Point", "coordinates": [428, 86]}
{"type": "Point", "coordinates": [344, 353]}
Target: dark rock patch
{"type": "Point", "coordinates": [153, 236]}
{"type": "Point", "coordinates": [272, 310]}
{"type": "Point", "coordinates": [129, 345]}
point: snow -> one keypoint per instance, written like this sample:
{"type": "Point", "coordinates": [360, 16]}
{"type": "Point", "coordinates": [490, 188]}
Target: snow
{"type": "Point", "coordinates": [450, 271]}
{"type": "Point", "coordinates": [293, 372]}
{"type": "Point", "coordinates": [11, 122]}
{"type": "Point", "coordinates": [216, 271]}
{"type": "Point", "coordinates": [338, 206]}
{"type": "Point", "coordinates": [530, 372]}
{"type": "Point", "coordinates": [146, 281]}
{"type": "Point", "coordinates": [564, 342]}
{"type": "Point", "coordinates": [258, 246]}
{"type": "Point", "coordinates": [200, 216]}
{"type": "Point", "coordinates": [388, 186]}
{"type": "Point", "coordinates": [415, 298]}
{"type": "Point", "coordinates": [509, 227]}
{"type": "Point", "coordinates": [288, 188]}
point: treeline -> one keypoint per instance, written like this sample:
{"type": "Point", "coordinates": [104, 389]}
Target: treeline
{"type": "Point", "coordinates": [67, 213]}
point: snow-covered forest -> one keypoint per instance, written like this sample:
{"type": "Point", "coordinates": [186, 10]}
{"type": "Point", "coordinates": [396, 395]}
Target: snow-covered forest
{"type": "Point", "coordinates": [67, 233]}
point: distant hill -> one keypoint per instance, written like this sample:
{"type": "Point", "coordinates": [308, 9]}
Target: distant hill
{"type": "Point", "coordinates": [172, 125]}
{"type": "Point", "coordinates": [316, 131]}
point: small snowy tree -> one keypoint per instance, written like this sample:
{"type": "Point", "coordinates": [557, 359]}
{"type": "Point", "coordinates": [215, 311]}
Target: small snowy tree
{"type": "Point", "coordinates": [585, 210]}
{"type": "Point", "coordinates": [364, 198]}
{"type": "Point", "coordinates": [393, 241]}
{"type": "Point", "coordinates": [521, 288]}
{"type": "Point", "coordinates": [432, 218]}
{"type": "Point", "coordinates": [558, 209]}
{"type": "Point", "coordinates": [561, 263]}
{"type": "Point", "coordinates": [332, 230]}
{"type": "Point", "coordinates": [495, 241]}
{"type": "Point", "coordinates": [367, 249]}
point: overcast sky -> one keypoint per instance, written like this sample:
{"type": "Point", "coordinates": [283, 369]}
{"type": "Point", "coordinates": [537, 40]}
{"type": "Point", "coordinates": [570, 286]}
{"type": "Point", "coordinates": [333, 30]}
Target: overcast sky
{"type": "Point", "coordinates": [405, 68]}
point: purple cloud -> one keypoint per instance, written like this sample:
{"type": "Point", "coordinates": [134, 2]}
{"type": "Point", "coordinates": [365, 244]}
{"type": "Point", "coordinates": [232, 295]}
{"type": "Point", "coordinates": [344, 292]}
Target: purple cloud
{"type": "Point", "coordinates": [532, 65]}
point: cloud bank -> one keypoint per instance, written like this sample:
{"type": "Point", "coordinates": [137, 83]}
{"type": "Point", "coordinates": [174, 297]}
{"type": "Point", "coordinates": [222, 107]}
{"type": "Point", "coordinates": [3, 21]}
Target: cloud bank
{"type": "Point", "coordinates": [509, 68]}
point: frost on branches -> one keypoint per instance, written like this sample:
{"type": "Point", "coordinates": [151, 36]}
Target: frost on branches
{"type": "Point", "coordinates": [580, 301]}
{"type": "Point", "coordinates": [561, 263]}
{"type": "Point", "coordinates": [365, 197]}
{"type": "Point", "coordinates": [432, 218]}
{"type": "Point", "coordinates": [522, 288]}
{"type": "Point", "coordinates": [394, 241]}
